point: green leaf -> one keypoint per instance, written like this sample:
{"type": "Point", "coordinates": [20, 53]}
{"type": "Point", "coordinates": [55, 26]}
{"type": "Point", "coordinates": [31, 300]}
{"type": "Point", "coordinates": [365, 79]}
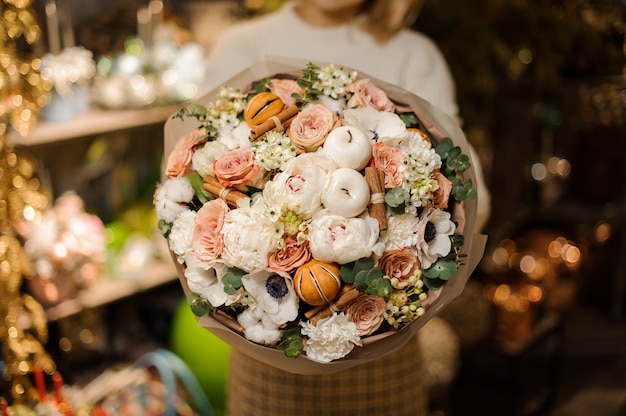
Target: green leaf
{"type": "Point", "coordinates": [433, 284]}
{"type": "Point", "coordinates": [347, 272]}
{"type": "Point", "coordinates": [164, 227]}
{"type": "Point", "coordinates": [409, 119]}
{"type": "Point", "coordinates": [443, 268]}
{"type": "Point", "coordinates": [443, 147]}
{"type": "Point", "coordinates": [199, 306]}
{"type": "Point", "coordinates": [291, 343]}
{"type": "Point", "coordinates": [197, 183]}
{"type": "Point", "coordinates": [397, 197]}
{"type": "Point", "coordinates": [364, 263]}
{"type": "Point", "coordinates": [232, 280]}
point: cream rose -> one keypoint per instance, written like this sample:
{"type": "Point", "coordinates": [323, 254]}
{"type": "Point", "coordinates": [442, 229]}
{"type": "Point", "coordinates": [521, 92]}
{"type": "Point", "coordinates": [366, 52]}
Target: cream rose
{"type": "Point", "coordinates": [179, 161]}
{"type": "Point", "coordinates": [208, 241]}
{"type": "Point", "coordinates": [284, 88]}
{"type": "Point", "coordinates": [182, 233]}
{"type": "Point", "coordinates": [366, 94]}
{"type": "Point", "coordinates": [334, 238]}
{"type": "Point", "coordinates": [238, 168]}
{"type": "Point", "coordinates": [389, 160]}
{"type": "Point", "coordinates": [401, 231]}
{"type": "Point", "coordinates": [367, 313]}
{"type": "Point", "coordinates": [309, 128]}
{"type": "Point", "coordinates": [203, 158]}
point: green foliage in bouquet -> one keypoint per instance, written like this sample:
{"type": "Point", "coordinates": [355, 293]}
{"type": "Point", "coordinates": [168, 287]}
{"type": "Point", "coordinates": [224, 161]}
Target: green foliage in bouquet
{"type": "Point", "coordinates": [445, 268]}
{"type": "Point", "coordinates": [454, 163]}
{"type": "Point", "coordinates": [291, 342]}
{"type": "Point", "coordinates": [366, 277]}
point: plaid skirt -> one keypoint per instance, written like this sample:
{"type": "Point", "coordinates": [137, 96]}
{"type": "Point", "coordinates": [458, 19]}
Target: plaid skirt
{"type": "Point", "coordinates": [391, 385]}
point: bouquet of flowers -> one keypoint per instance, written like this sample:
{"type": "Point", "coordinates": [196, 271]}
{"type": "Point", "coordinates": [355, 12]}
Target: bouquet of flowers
{"type": "Point", "coordinates": [317, 214]}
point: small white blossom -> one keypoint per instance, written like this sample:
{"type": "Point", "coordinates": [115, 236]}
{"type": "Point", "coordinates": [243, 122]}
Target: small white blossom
{"type": "Point", "coordinates": [333, 81]}
{"type": "Point", "coordinates": [274, 150]}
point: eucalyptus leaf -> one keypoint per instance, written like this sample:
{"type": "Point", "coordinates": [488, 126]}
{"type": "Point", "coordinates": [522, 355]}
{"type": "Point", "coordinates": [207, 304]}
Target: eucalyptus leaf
{"type": "Point", "coordinates": [433, 284]}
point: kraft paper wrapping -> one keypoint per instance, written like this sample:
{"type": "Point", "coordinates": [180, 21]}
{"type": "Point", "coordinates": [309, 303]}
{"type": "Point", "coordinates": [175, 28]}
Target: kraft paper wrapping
{"type": "Point", "coordinates": [438, 125]}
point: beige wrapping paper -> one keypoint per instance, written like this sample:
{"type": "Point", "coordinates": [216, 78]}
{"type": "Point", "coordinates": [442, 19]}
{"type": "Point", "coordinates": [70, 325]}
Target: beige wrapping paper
{"type": "Point", "coordinates": [439, 125]}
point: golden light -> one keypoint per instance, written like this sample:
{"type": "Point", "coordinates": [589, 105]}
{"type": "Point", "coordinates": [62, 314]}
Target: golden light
{"type": "Point", "coordinates": [527, 264]}
{"type": "Point", "coordinates": [603, 232]}
{"type": "Point", "coordinates": [500, 256]}
{"type": "Point", "coordinates": [501, 294]}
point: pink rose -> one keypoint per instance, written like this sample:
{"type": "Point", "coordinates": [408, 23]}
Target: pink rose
{"type": "Point", "coordinates": [208, 241]}
{"type": "Point", "coordinates": [309, 128]}
{"type": "Point", "coordinates": [367, 313]}
{"type": "Point", "coordinates": [388, 159]}
{"type": "Point", "coordinates": [291, 257]}
{"type": "Point", "coordinates": [442, 194]}
{"type": "Point", "coordinates": [366, 94]}
{"type": "Point", "coordinates": [399, 264]}
{"type": "Point", "coordinates": [179, 161]}
{"type": "Point", "coordinates": [284, 88]}
{"type": "Point", "coordinates": [238, 168]}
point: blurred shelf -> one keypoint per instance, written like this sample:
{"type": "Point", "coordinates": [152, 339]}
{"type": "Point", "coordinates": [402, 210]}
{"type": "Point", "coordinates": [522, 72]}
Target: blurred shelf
{"type": "Point", "coordinates": [93, 122]}
{"type": "Point", "coordinates": [110, 290]}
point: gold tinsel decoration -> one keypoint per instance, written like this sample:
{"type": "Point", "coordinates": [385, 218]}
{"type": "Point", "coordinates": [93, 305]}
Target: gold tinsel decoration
{"type": "Point", "coordinates": [23, 330]}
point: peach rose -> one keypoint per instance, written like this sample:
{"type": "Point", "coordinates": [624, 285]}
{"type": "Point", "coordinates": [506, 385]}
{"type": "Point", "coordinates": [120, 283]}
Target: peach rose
{"type": "Point", "coordinates": [399, 264]}
{"type": "Point", "coordinates": [367, 313]}
{"type": "Point", "coordinates": [238, 168]}
{"type": "Point", "coordinates": [309, 128]}
{"type": "Point", "coordinates": [179, 161]}
{"type": "Point", "coordinates": [366, 94]}
{"type": "Point", "coordinates": [442, 194]}
{"type": "Point", "coordinates": [284, 88]}
{"type": "Point", "coordinates": [291, 257]}
{"type": "Point", "coordinates": [388, 159]}
{"type": "Point", "coordinates": [208, 241]}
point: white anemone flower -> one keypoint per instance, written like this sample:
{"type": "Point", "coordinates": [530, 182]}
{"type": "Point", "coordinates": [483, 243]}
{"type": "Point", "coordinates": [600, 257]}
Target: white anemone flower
{"type": "Point", "coordinates": [274, 295]}
{"type": "Point", "coordinates": [205, 281]}
{"type": "Point", "coordinates": [433, 232]}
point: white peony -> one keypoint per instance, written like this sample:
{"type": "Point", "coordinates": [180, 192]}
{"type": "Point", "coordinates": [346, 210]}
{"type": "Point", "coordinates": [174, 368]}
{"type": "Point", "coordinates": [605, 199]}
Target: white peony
{"type": "Point", "coordinates": [434, 231]}
{"type": "Point", "coordinates": [332, 338]}
{"type": "Point", "coordinates": [274, 295]}
{"type": "Point", "coordinates": [170, 196]}
{"type": "Point", "coordinates": [334, 238]}
{"type": "Point", "coordinates": [203, 158]}
{"type": "Point", "coordinates": [248, 237]}
{"type": "Point", "coordinates": [182, 234]}
{"type": "Point", "coordinates": [300, 183]}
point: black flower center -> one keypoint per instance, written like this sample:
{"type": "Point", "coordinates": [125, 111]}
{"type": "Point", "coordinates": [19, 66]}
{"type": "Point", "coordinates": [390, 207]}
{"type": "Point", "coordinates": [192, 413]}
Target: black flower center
{"type": "Point", "coordinates": [430, 232]}
{"type": "Point", "coordinates": [276, 286]}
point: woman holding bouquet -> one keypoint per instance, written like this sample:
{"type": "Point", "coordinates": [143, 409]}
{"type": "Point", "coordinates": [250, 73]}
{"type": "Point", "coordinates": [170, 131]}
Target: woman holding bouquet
{"type": "Point", "coordinates": [371, 36]}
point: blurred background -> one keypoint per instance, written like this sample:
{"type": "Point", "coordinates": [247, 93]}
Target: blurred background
{"type": "Point", "coordinates": [541, 87]}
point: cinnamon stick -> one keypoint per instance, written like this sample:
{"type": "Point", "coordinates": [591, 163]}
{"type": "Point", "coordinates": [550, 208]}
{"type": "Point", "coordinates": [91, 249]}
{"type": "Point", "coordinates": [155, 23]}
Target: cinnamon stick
{"type": "Point", "coordinates": [376, 180]}
{"type": "Point", "coordinates": [285, 118]}
{"type": "Point", "coordinates": [230, 195]}
{"type": "Point", "coordinates": [347, 294]}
